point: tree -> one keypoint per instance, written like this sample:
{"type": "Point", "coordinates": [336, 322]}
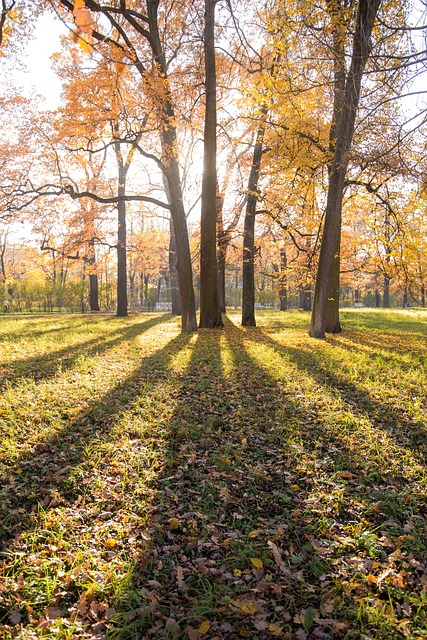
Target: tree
{"type": "Point", "coordinates": [330, 247]}
{"type": "Point", "coordinates": [253, 193]}
{"type": "Point", "coordinates": [138, 38]}
{"type": "Point", "coordinates": [210, 313]}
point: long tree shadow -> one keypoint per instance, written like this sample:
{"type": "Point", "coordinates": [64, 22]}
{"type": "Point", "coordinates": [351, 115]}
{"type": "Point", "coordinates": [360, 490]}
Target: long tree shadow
{"type": "Point", "coordinates": [46, 366]}
{"type": "Point", "coordinates": [375, 350]}
{"type": "Point", "coordinates": [245, 508]}
{"type": "Point", "coordinates": [251, 517]}
{"type": "Point", "coordinates": [45, 474]}
{"type": "Point", "coordinates": [405, 430]}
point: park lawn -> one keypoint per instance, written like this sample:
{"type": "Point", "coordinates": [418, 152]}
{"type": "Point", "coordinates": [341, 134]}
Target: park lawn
{"type": "Point", "coordinates": [235, 483]}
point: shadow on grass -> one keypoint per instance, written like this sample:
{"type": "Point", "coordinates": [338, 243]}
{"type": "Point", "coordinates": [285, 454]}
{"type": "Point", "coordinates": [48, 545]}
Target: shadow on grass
{"type": "Point", "coordinates": [411, 323]}
{"type": "Point", "coordinates": [255, 513]}
{"type": "Point", "coordinates": [42, 475]}
{"type": "Point", "coordinates": [256, 475]}
{"type": "Point", "coordinates": [384, 414]}
{"type": "Point", "coordinates": [46, 366]}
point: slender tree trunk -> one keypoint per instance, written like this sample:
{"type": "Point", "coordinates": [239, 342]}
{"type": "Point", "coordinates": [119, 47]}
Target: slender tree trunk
{"type": "Point", "coordinates": [222, 243]}
{"type": "Point", "coordinates": [283, 281]}
{"type": "Point", "coordinates": [367, 11]}
{"type": "Point", "coordinates": [2, 253]}
{"type": "Point", "coordinates": [221, 263]}
{"type": "Point", "coordinates": [173, 275]}
{"type": "Point", "coordinates": [210, 314]}
{"type": "Point", "coordinates": [386, 292]}
{"type": "Point", "coordinates": [122, 299]}
{"type": "Point", "coordinates": [377, 299]}
{"type": "Point", "coordinates": [248, 288]}
{"type": "Point", "coordinates": [93, 292]}
{"type": "Point", "coordinates": [93, 277]}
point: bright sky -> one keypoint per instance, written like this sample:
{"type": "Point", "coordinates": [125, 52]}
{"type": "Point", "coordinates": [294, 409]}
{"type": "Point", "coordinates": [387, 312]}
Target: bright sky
{"type": "Point", "coordinates": [40, 75]}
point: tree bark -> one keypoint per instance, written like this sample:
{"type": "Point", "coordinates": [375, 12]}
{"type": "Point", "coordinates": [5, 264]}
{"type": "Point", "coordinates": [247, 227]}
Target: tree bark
{"type": "Point", "coordinates": [248, 287]}
{"type": "Point", "coordinates": [283, 281]}
{"type": "Point", "coordinates": [367, 11]}
{"type": "Point", "coordinates": [173, 274]}
{"type": "Point", "coordinates": [386, 292]}
{"type": "Point", "coordinates": [333, 324]}
{"type": "Point", "coordinates": [93, 278]}
{"type": "Point", "coordinates": [222, 243]}
{"type": "Point", "coordinates": [210, 314]}
{"type": "Point", "coordinates": [122, 298]}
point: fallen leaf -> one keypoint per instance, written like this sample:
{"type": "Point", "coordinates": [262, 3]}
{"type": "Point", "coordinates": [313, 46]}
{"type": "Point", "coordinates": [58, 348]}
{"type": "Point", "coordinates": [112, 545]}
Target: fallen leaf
{"type": "Point", "coordinates": [204, 627]}
{"type": "Point", "coordinates": [53, 613]}
{"type": "Point", "coordinates": [173, 524]}
{"type": "Point", "coordinates": [111, 543]}
{"type": "Point", "coordinates": [257, 563]}
{"type": "Point", "coordinates": [275, 630]}
{"type": "Point", "coordinates": [15, 617]}
{"type": "Point", "coordinates": [260, 625]}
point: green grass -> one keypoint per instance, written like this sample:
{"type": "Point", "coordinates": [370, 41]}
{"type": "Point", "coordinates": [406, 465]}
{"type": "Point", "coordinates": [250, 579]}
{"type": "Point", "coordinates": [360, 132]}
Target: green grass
{"type": "Point", "coordinates": [235, 483]}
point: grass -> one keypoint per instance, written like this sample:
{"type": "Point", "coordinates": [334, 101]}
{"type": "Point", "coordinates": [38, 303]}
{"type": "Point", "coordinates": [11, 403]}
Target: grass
{"type": "Point", "coordinates": [235, 483]}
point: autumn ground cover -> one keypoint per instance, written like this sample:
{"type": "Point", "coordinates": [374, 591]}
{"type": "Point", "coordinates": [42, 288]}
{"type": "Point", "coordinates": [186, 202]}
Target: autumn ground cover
{"type": "Point", "coordinates": [231, 484]}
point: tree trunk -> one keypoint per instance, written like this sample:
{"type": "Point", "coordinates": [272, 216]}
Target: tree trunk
{"type": "Point", "coordinates": [169, 144]}
{"type": "Point", "coordinates": [222, 244]}
{"type": "Point", "coordinates": [377, 299]}
{"type": "Point", "coordinates": [330, 246]}
{"type": "Point", "coordinates": [122, 300]}
{"type": "Point", "coordinates": [333, 324]}
{"type": "Point", "coordinates": [221, 262]}
{"type": "Point", "coordinates": [93, 292]}
{"type": "Point", "coordinates": [283, 281]}
{"type": "Point", "coordinates": [93, 277]}
{"type": "Point", "coordinates": [305, 298]}
{"type": "Point", "coordinates": [248, 287]}
{"type": "Point", "coordinates": [386, 292]}
{"type": "Point", "coordinates": [210, 314]}
{"type": "Point", "coordinates": [173, 274]}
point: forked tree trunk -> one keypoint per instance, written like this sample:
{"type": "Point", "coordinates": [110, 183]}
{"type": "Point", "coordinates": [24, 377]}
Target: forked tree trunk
{"type": "Point", "coordinates": [367, 11]}
{"type": "Point", "coordinates": [210, 314]}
